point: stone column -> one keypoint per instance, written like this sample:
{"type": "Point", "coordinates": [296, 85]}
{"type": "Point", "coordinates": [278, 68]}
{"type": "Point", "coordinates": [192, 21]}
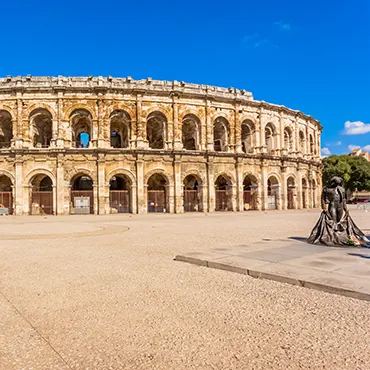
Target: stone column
{"type": "Point", "coordinates": [283, 149]}
{"type": "Point", "coordinates": [239, 184]}
{"type": "Point", "coordinates": [140, 123]}
{"type": "Point", "coordinates": [238, 130]}
{"type": "Point", "coordinates": [18, 124]}
{"type": "Point", "coordinates": [102, 137]}
{"type": "Point", "coordinates": [60, 133]}
{"type": "Point", "coordinates": [209, 127]}
{"type": "Point", "coordinates": [170, 191]}
{"type": "Point", "coordinates": [264, 191]}
{"type": "Point", "coordinates": [103, 199]}
{"type": "Point", "coordinates": [179, 204]}
{"type": "Point", "coordinates": [211, 185]}
{"type": "Point", "coordinates": [96, 198]}
{"type": "Point", "coordinates": [133, 199]}
{"type": "Point", "coordinates": [94, 134]}
{"type": "Point", "coordinates": [177, 131]}
{"type": "Point", "coordinates": [141, 199]}
{"type": "Point", "coordinates": [60, 210]}
{"type": "Point", "coordinates": [284, 190]}
{"type": "Point", "coordinates": [18, 186]}
{"type": "Point", "coordinates": [263, 147]}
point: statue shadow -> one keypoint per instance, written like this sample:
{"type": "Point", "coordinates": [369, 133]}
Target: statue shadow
{"type": "Point", "coordinates": [298, 238]}
{"type": "Point", "coordinates": [359, 255]}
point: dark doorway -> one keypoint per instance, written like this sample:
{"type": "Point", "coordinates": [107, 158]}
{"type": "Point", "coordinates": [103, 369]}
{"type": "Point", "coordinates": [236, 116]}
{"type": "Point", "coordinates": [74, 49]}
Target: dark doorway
{"type": "Point", "coordinates": [82, 195]}
{"type": "Point", "coordinates": [192, 196]}
{"type": "Point", "coordinates": [157, 194]}
{"type": "Point", "coordinates": [119, 194]}
{"type": "Point", "coordinates": [223, 194]}
{"type": "Point", "coordinates": [41, 195]}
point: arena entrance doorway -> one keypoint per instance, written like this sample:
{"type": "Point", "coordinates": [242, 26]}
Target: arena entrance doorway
{"type": "Point", "coordinates": [272, 192]}
{"type": "Point", "coordinates": [119, 194]}
{"type": "Point", "coordinates": [223, 194]}
{"type": "Point", "coordinates": [250, 193]}
{"type": "Point", "coordinates": [41, 195]}
{"type": "Point", "coordinates": [291, 190]}
{"type": "Point", "coordinates": [6, 194]}
{"type": "Point", "coordinates": [82, 195]}
{"type": "Point", "coordinates": [157, 193]}
{"type": "Point", "coordinates": [192, 196]}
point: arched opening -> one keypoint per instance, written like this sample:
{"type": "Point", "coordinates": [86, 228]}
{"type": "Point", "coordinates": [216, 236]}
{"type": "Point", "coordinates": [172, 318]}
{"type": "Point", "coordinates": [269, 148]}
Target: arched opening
{"type": "Point", "coordinates": [224, 192]}
{"type": "Point", "coordinates": [81, 122]}
{"type": "Point", "coordinates": [156, 130]}
{"type": "Point", "coordinates": [41, 195]}
{"type": "Point", "coordinates": [41, 125]}
{"type": "Point", "coordinates": [6, 194]}
{"type": "Point", "coordinates": [220, 134]}
{"type": "Point", "coordinates": [304, 193]}
{"type": "Point", "coordinates": [272, 192]}
{"type": "Point", "coordinates": [291, 191]}
{"type": "Point", "coordinates": [120, 194]}
{"type": "Point", "coordinates": [311, 145]}
{"type": "Point", "coordinates": [157, 193]}
{"type": "Point", "coordinates": [6, 129]}
{"type": "Point", "coordinates": [192, 194]}
{"type": "Point", "coordinates": [302, 142]}
{"type": "Point", "coordinates": [270, 133]}
{"type": "Point", "coordinates": [288, 139]}
{"type": "Point", "coordinates": [82, 195]}
{"type": "Point", "coordinates": [120, 125]}
{"type": "Point", "coordinates": [190, 132]}
{"type": "Point", "coordinates": [248, 131]}
{"type": "Point", "coordinates": [250, 186]}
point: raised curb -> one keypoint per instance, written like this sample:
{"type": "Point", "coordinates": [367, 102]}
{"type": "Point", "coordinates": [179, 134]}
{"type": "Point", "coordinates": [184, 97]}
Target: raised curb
{"type": "Point", "coordinates": [328, 288]}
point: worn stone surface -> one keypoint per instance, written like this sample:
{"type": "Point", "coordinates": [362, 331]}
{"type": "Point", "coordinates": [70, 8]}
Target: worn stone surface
{"type": "Point", "coordinates": [188, 134]}
{"type": "Point", "coordinates": [119, 301]}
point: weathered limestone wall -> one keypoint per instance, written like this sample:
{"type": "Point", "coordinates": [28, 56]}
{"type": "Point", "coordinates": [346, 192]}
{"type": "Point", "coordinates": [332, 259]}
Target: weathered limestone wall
{"type": "Point", "coordinates": [291, 153]}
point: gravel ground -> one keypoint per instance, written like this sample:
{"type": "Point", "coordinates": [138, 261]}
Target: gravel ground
{"type": "Point", "coordinates": [119, 301]}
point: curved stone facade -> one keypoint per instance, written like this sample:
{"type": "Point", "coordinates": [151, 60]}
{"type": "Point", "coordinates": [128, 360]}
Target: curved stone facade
{"type": "Point", "coordinates": [107, 145]}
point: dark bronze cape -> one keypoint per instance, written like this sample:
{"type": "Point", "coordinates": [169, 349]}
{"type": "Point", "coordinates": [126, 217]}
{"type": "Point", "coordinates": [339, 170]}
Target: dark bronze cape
{"type": "Point", "coordinates": [327, 232]}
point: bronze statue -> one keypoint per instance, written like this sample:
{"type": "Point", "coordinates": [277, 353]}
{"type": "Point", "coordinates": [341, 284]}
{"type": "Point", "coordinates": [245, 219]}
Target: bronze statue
{"type": "Point", "coordinates": [335, 226]}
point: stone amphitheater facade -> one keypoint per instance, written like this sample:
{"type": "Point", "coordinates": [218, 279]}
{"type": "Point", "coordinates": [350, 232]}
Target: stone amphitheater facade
{"type": "Point", "coordinates": [121, 145]}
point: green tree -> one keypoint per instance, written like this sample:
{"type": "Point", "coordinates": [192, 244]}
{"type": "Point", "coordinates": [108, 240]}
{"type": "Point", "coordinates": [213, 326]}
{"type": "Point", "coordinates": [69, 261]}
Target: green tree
{"type": "Point", "coordinates": [355, 171]}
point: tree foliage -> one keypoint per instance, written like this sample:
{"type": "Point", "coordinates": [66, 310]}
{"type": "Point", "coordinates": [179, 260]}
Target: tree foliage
{"type": "Point", "coordinates": [355, 171]}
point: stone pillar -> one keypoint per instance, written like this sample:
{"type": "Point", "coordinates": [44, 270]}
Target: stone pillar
{"type": "Point", "coordinates": [239, 184]}
{"type": "Point", "coordinates": [61, 209]}
{"type": "Point", "coordinates": [209, 127]}
{"type": "Point", "coordinates": [238, 130]}
{"type": "Point", "coordinates": [103, 199]}
{"type": "Point", "coordinates": [133, 199]}
{"type": "Point", "coordinates": [140, 123]}
{"type": "Point", "coordinates": [179, 204]}
{"type": "Point", "coordinates": [103, 140]}
{"type": "Point", "coordinates": [177, 130]}
{"type": "Point", "coordinates": [263, 147]}
{"type": "Point", "coordinates": [94, 134]}
{"type": "Point", "coordinates": [283, 190]}
{"type": "Point", "coordinates": [96, 198]}
{"type": "Point", "coordinates": [54, 134]}
{"type": "Point", "coordinates": [264, 191]}
{"type": "Point", "coordinates": [211, 185]}
{"type": "Point", "coordinates": [60, 134]}
{"type": "Point", "coordinates": [55, 199]}
{"type": "Point", "coordinates": [141, 199]}
{"type": "Point", "coordinates": [18, 186]}
{"type": "Point", "coordinates": [283, 149]}
{"type": "Point", "coordinates": [18, 124]}
{"type": "Point", "coordinates": [171, 198]}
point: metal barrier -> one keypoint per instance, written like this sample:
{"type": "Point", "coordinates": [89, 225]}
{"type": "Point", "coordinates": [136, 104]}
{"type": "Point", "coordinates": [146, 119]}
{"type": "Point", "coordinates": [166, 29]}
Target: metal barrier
{"type": "Point", "coordinates": [120, 200]}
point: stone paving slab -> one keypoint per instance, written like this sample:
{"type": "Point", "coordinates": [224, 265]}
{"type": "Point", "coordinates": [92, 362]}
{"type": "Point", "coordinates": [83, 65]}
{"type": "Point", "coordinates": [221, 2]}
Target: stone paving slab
{"type": "Point", "coordinates": [344, 271]}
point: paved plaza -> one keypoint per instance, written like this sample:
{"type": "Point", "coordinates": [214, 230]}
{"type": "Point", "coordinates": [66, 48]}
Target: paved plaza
{"type": "Point", "coordinates": [104, 292]}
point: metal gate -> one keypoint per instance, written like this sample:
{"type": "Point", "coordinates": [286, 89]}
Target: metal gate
{"type": "Point", "coordinates": [120, 200]}
{"type": "Point", "coordinates": [271, 201]}
{"type": "Point", "coordinates": [191, 201]}
{"type": "Point", "coordinates": [290, 199]}
{"type": "Point", "coordinates": [157, 201]}
{"type": "Point", "coordinates": [249, 197]}
{"type": "Point", "coordinates": [224, 200]}
{"type": "Point", "coordinates": [83, 193]}
{"type": "Point", "coordinates": [42, 203]}
{"type": "Point", "coordinates": [304, 204]}
{"type": "Point", "coordinates": [6, 201]}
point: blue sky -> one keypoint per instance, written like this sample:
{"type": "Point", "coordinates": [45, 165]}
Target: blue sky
{"type": "Point", "coordinates": [308, 55]}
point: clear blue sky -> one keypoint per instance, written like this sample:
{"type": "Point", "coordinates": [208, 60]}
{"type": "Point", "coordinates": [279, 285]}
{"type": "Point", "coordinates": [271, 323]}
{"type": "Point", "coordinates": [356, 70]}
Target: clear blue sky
{"type": "Point", "coordinates": [308, 55]}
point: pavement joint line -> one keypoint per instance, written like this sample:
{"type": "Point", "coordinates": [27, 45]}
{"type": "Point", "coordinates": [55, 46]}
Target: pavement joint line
{"type": "Point", "coordinates": [35, 329]}
{"type": "Point", "coordinates": [276, 277]}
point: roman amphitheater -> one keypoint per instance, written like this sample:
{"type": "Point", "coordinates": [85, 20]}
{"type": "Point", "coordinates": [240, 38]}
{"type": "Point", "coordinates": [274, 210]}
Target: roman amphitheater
{"type": "Point", "coordinates": [97, 145]}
